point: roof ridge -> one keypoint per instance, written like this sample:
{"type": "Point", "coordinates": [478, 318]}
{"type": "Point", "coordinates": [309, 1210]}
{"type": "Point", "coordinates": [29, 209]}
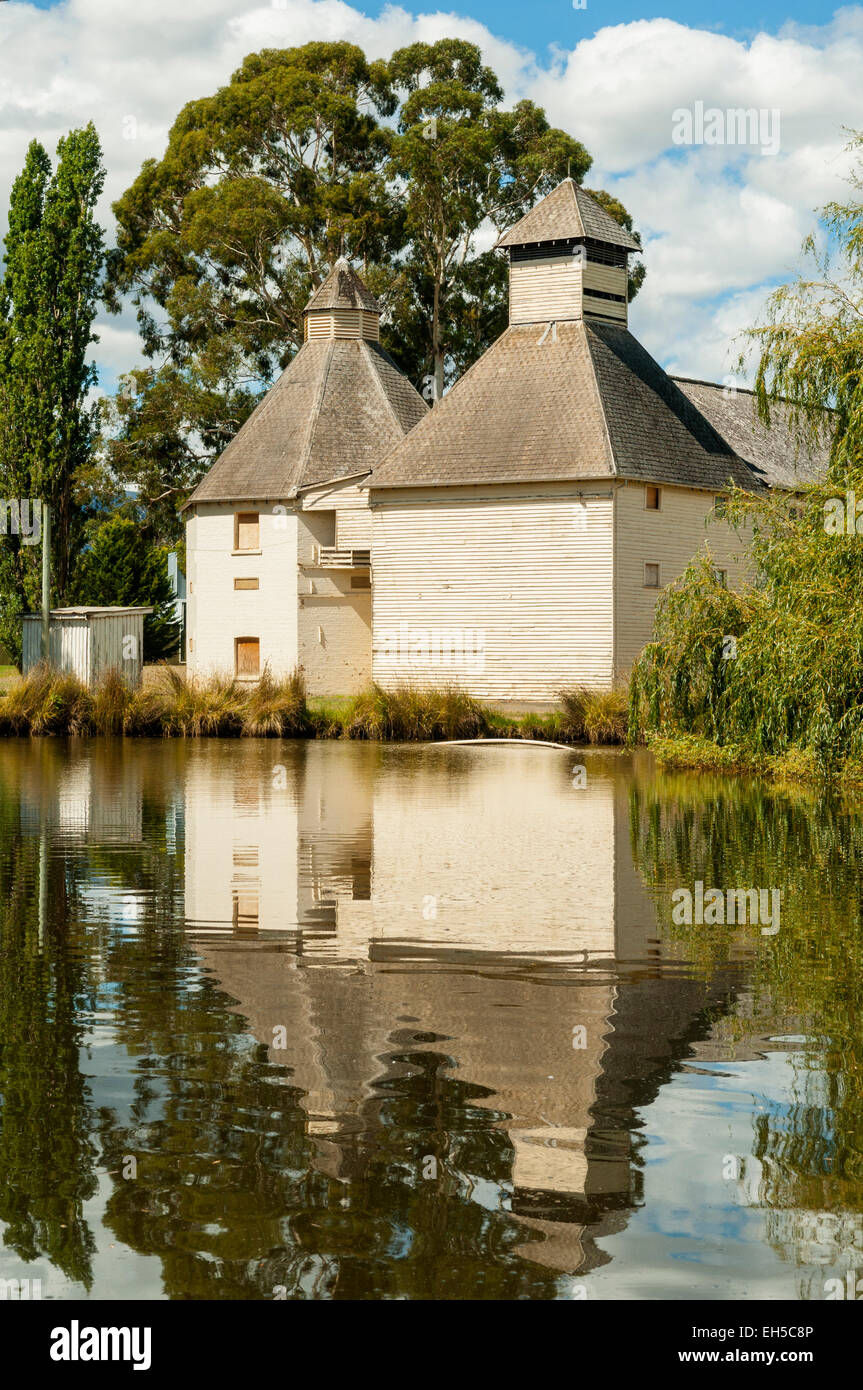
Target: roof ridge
{"type": "Point", "coordinates": [607, 432]}
{"type": "Point", "coordinates": [314, 416]}
{"type": "Point", "coordinates": [364, 343]}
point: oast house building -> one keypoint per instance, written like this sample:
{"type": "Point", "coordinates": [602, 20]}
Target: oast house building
{"type": "Point", "coordinates": [513, 539]}
{"type": "Point", "coordinates": [279, 530]}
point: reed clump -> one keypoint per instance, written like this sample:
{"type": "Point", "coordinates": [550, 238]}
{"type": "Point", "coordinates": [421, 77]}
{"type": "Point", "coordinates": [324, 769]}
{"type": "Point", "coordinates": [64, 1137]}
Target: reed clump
{"type": "Point", "coordinates": [48, 702]}
{"type": "Point", "coordinates": [213, 707]}
{"type": "Point", "coordinates": [409, 713]}
{"type": "Point", "coordinates": [593, 716]}
{"type": "Point", "coordinates": [277, 708]}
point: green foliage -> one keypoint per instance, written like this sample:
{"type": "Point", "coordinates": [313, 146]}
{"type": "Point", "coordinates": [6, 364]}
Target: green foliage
{"type": "Point", "coordinates": [796, 681]}
{"type": "Point", "coordinates": [122, 568]}
{"type": "Point", "coordinates": [221, 242]}
{"type": "Point", "coordinates": [460, 159]}
{"type": "Point", "coordinates": [795, 685]}
{"type": "Point", "coordinates": [48, 299]}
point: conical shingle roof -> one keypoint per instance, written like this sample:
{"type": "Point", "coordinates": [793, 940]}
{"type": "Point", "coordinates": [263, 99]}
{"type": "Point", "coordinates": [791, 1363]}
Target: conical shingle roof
{"type": "Point", "coordinates": [338, 407]}
{"type": "Point", "coordinates": [343, 289]}
{"type": "Point", "coordinates": [568, 212]}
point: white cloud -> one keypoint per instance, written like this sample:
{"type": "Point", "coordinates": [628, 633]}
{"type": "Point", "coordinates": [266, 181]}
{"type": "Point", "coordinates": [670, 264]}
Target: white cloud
{"type": "Point", "coordinates": [722, 223]}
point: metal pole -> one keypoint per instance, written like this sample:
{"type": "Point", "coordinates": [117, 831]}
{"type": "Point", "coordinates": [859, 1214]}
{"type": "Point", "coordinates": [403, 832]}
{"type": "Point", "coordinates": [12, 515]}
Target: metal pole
{"type": "Point", "coordinates": [46, 582]}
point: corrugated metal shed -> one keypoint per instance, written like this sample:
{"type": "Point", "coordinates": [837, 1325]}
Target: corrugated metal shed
{"type": "Point", "coordinates": [87, 642]}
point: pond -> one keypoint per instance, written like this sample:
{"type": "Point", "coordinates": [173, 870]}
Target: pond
{"type": "Point", "coordinates": [357, 1021]}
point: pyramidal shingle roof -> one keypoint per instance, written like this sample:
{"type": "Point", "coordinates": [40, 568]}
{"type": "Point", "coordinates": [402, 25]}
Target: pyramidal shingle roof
{"type": "Point", "coordinates": [585, 401]}
{"type": "Point", "coordinates": [568, 211]}
{"type": "Point", "coordinates": [337, 408]}
{"type": "Point", "coordinates": [343, 289]}
{"type": "Point", "coordinates": [785, 461]}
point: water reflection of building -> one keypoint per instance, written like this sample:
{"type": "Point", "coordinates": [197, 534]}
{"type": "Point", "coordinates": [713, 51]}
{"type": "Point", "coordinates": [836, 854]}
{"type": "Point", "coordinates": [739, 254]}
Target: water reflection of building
{"type": "Point", "coordinates": [83, 798]}
{"type": "Point", "coordinates": [437, 898]}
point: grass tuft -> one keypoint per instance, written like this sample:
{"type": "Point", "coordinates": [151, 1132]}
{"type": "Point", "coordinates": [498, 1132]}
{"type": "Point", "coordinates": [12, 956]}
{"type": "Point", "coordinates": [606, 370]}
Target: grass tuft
{"type": "Point", "coordinates": [411, 714]}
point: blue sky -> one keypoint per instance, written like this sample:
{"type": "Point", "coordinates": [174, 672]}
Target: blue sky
{"type": "Point", "coordinates": [543, 22]}
{"type": "Point", "coordinates": [722, 225]}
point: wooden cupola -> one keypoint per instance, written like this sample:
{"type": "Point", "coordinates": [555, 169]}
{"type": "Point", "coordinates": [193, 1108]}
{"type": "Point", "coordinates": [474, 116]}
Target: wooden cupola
{"type": "Point", "coordinates": [342, 307]}
{"type": "Point", "coordinates": [568, 260]}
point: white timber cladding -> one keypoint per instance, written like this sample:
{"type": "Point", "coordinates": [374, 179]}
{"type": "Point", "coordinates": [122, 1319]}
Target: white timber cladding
{"type": "Point", "coordinates": [611, 279]}
{"type": "Point", "coordinates": [353, 520]}
{"type": "Point", "coordinates": [507, 595]}
{"type": "Point", "coordinates": [604, 308]}
{"type": "Point", "coordinates": [684, 525]}
{"type": "Point", "coordinates": [217, 613]}
{"type": "Point", "coordinates": [342, 323]}
{"type": "Point", "coordinates": [558, 288]}
{"type": "Point", "coordinates": [547, 289]}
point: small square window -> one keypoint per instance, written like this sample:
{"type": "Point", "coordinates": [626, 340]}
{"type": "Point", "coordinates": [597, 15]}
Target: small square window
{"type": "Point", "coordinates": [247, 531]}
{"type": "Point", "coordinates": [651, 576]}
{"type": "Point", "coordinates": [361, 581]}
{"type": "Point", "coordinates": [720, 506]}
{"type": "Point", "coordinates": [721, 577]}
{"type": "Point", "coordinates": [651, 498]}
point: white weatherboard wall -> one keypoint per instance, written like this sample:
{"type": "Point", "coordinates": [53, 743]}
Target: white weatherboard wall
{"type": "Point", "coordinates": [559, 287]}
{"type": "Point", "coordinates": [670, 537]}
{"type": "Point", "coordinates": [525, 572]}
{"type": "Point", "coordinates": [217, 613]}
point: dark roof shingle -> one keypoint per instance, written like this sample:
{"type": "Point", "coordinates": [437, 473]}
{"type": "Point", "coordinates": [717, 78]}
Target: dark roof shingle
{"type": "Point", "coordinates": [781, 460]}
{"type": "Point", "coordinates": [584, 400]}
{"type": "Point", "coordinates": [343, 289]}
{"type": "Point", "coordinates": [337, 408]}
{"type": "Point", "coordinates": [568, 211]}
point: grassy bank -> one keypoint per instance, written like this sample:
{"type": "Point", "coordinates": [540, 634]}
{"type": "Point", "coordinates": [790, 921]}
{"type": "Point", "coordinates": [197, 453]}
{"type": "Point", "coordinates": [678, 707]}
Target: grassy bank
{"type": "Point", "coordinates": [48, 703]}
{"type": "Point", "coordinates": [691, 753]}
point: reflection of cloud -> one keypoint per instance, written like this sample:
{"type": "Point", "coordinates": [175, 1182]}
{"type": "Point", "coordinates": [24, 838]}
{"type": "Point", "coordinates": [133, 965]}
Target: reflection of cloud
{"type": "Point", "coordinates": [721, 223]}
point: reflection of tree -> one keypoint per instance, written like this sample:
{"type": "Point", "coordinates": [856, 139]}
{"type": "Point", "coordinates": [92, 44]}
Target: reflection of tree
{"type": "Point", "coordinates": [807, 980]}
{"type": "Point", "coordinates": [46, 1155]}
{"type": "Point", "coordinates": [229, 1196]}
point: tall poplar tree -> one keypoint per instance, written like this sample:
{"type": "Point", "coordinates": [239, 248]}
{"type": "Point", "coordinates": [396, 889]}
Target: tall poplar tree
{"type": "Point", "coordinates": [48, 299]}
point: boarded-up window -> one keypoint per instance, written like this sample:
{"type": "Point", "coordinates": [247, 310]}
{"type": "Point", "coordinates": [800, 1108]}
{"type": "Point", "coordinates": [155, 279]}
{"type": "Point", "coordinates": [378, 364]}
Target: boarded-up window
{"type": "Point", "coordinates": [248, 535]}
{"type": "Point", "coordinates": [651, 575]}
{"type": "Point", "coordinates": [248, 656]}
{"type": "Point", "coordinates": [360, 581]}
{"type": "Point", "coordinates": [247, 583]}
{"type": "Point", "coordinates": [651, 498]}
